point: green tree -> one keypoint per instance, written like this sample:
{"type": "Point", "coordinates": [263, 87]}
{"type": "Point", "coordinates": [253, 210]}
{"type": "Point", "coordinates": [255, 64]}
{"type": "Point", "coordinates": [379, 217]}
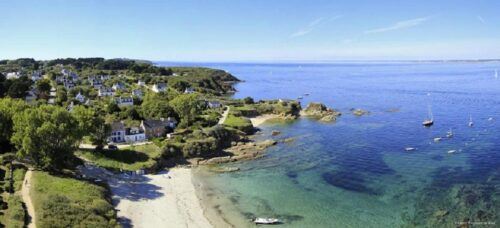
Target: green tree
{"type": "Point", "coordinates": [3, 89]}
{"type": "Point", "coordinates": [19, 87]}
{"type": "Point", "coordinates": [8, 108]}
{"type": "Point", "coordinates": [43, 86]}
{"type": "Point", "coordinates": [188, 107]}
{"type": "Point", "coordinates": [113, 108]}
{"type": "Point", "coordinates": [248, 100]}
{"type": "Point", "coordinates": [155, 106]}
{"type": "Point", "coordinates": [47, 135]}
{"type": "Point", "coordinates": [92, 124]}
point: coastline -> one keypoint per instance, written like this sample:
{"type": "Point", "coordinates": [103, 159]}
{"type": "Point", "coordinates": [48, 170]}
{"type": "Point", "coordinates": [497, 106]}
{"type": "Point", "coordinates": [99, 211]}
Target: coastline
{"type": "Point", "coordinates": [259, 120]}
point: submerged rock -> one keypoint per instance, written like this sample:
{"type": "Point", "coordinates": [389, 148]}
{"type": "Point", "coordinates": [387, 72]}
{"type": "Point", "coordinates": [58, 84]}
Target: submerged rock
{"type": "Point", "coordinates": [275, 132]}
{"type": "Point", "coordinates": [359, 112]}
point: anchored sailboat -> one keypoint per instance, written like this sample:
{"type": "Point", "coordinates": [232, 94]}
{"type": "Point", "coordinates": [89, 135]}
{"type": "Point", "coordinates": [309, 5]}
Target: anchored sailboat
{"type": "Point", "coordinates": [471, 123]}
{"type": "Point", "coordinates": [430, 118]}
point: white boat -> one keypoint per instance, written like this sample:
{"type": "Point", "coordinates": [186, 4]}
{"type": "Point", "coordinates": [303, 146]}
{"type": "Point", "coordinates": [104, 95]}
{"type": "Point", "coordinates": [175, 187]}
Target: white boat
{"type": "Point", "coordinates": [430, 119]}
{"type": "Point", "coordinates": [449, 134]}
{"type": "Point", "coordinates": [471, 123]}
{"type": "Point", "coordinates": [437, 139]}
{"type": "Point", "coordinates": [490, 119]}
{"type": "Point", "coordinates": [452, 151]}
{"type": "Point", "coordinates": [266, 221]}
{"type": "Point", "coordinates": [410, 148]}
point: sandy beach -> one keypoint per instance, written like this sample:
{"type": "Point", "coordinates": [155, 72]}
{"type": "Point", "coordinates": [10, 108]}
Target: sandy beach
{"type": "Point", "coordinates": [167, 199]}
{"type": "Point", "coordinates": [256, 121]}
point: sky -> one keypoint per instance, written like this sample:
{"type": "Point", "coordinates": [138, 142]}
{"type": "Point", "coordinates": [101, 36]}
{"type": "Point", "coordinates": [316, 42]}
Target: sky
{"type": "Point", "coordinates": [256, 30]}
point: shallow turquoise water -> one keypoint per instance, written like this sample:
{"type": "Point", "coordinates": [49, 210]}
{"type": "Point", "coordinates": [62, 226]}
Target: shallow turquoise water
{"type": "Point", "coordinates": [355, 172]}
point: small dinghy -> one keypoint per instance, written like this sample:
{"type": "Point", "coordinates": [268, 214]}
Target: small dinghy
{"type": "Point", "coordinates": [452, 151]}
{"type": "Point", "coordinates": [437, 139]}
{"type": "Point", "coordinates": [410, 148]}
{"type": "Point", "coordinates": [449, 134]}
{"type": "Point", "coordinates": [268, 221]}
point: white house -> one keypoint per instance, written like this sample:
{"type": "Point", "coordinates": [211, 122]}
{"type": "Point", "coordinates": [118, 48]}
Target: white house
{"type": "Point", "coordinates": [117, 132]}
{"type": "Point", "coordinates": [137, 93]}
{"type": "Point", "coordinates": [189, 90]}
{"type": "Point", "coordinates": [124, 101]}
{"type": "Point", "coordinates": [118, 86]}
{"type": "Point", "coordinates": [160, 87]}
{"type": "Point", "coordinates": [13, 75]}
{"type": "Point", "coordinates": [141, 83]}
{"type": "Point", "coordinates": [36, 76]}
{"type": "Point", "coordinates": [69, 85]}
{"type": "Point", "coordinates": [80, 98]}
{"type": "Point", "coordinates": [214, 104]}
{"type": "Point", "coordinates": [105, 92]}
{"type": "Point", "coordinates": [134, 134]}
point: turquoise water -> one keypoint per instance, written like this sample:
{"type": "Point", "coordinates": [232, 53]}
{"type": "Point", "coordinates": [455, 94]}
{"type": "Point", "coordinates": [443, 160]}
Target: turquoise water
{"type": "Point", "coordinates": [355, 172]}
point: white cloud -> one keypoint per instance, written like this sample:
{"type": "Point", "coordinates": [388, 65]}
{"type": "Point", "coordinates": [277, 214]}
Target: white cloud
{"type": "Point", "coordinates": [481, 19]}
{"type": "Point", "coordinates": [312, 25]}
{"type": "Point", "coordinates": [399, 25]}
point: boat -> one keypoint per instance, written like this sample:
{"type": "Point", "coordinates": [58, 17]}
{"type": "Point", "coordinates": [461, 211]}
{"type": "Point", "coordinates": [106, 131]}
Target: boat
{"type": "Point", "coordinates": [449, 134]}
{"type": "Point", "coordinates": [430, 119]}
{"type": "Point", "coordinates": [266, 221]}
{"type": "Point", "coordinates": [437, 139]}
{"type": "Point", "coordinates": [300, 98]}
{"type": "Point", "coordinates": [306, 94]}
{"type": "Point", "coordinates": [471, 123]}
{"type": "Point", "coordinates": [496, 74]}
{"type": "Point", "coordinates": [452, 151]}
{"type": "Point", "coordinates": [410, 148]}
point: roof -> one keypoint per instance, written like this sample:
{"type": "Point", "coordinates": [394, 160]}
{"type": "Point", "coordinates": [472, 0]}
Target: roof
{"type": "Point", "coordinates": [157, 123]}
{"type": "Point", "coordinates": [117, 126]}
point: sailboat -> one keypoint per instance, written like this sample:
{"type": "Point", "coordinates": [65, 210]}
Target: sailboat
{"type": "Point", "coordinates": [470, 121]}
{"type": "Point", "coordinates": [449, 134]}
{"type": "Point", "coordinates": [430, 120]}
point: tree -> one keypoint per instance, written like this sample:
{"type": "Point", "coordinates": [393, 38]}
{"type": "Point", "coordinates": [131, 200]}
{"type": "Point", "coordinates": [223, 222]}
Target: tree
{"type": "Point", "coordinates": [179, 85]}
{"type": "Point", "coordinates": [248, 100]}
{"type": "Point", "coordinates": [188, 107]}
{"type": "Point", "coordinates": [155, 106]}
{"type": "Point", "coordinates": [19, 87]}
{"type": "Point", "coordinates": [47, 135]}
{"type": "Point", "coordinates": [3, 89]}
{"type": "Point", "coordinates": [92, 124]}
{"type": "Point", "coordinates": [43, 86]}
{"type": "Point", "coordinates": [113, 108]}
{"type": "Point", "coordinates": [8, 108]}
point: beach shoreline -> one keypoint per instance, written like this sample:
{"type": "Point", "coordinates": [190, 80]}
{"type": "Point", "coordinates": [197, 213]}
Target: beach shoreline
{"type": "Point", "coordinates": [261, 119]}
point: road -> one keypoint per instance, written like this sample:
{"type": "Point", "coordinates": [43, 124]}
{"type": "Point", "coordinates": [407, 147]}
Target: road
{"type": "Point", "coordinates": [25, 193]}
{"type": "Point", "coordinates": [224, 116]}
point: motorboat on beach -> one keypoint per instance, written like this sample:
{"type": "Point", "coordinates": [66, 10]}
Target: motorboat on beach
{"type": "Point", "coordinates": [268, 221]}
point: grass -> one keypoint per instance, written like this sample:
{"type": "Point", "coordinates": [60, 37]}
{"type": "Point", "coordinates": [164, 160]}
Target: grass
{"type": "Point", "coordinates": [131, 158]}
{"type": "Point", "coordinates": [18, 178]}
{"type": "Point", "coordinates": [67, 202]}
{"type": "Point", "coordinates": [240, 123]}
{"type": "Point", "coordinates": [14, 214]}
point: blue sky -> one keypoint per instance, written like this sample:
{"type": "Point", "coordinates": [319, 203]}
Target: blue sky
{"type": "Point", "coordinates": [257, 30]}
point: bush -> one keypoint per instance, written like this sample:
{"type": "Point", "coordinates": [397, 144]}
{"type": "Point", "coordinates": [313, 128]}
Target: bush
{"type": "Point", "coordinates": [14, 215]}
{"type": "Point", "coordinates": [67, 202]}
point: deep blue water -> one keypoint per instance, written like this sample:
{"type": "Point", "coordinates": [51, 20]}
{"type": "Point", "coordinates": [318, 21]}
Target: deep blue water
{"type": "Point", "coordinates": [355, 172]}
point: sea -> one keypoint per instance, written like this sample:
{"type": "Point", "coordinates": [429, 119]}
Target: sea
{"type": "Point", "coordinates": [356, 171]}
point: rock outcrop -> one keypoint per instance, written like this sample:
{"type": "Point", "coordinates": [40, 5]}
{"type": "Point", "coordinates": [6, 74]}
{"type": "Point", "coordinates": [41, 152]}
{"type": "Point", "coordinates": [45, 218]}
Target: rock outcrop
{"type": "Point", "coordinates": [320, 112]}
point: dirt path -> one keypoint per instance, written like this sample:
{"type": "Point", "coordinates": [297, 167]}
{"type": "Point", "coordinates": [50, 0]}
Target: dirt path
{"type": "Point", "coordinates": [224, 116]}
{"type": "Point", "coordinates": [25, 192]}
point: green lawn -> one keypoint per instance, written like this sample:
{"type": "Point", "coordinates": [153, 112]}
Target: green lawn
{"type": "Point", "coordinates": [67, 202]}
{"type": "Point", "coordinates": [240, 123]}
{"type": "Point", "coordinates": [131, 158]}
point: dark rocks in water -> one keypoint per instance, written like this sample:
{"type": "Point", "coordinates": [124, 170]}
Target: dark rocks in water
{"type": "Point", "coordinates": [359, 112]}
{"type": "Point", "coordinates": [348, 181]}
{"type": "Point", "coordinates": [437, 158]}
{"type": "Point", "coordinates": [275, 132]}
{"type": "Point", "coordinates": [320, 111]}
{"type": "Point", "coordinates": [292, 174]}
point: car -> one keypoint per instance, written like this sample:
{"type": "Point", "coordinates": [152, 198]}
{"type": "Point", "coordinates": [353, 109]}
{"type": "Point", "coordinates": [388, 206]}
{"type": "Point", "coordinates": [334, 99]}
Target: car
{"type": "Point", "coordinates": [112, 147]}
